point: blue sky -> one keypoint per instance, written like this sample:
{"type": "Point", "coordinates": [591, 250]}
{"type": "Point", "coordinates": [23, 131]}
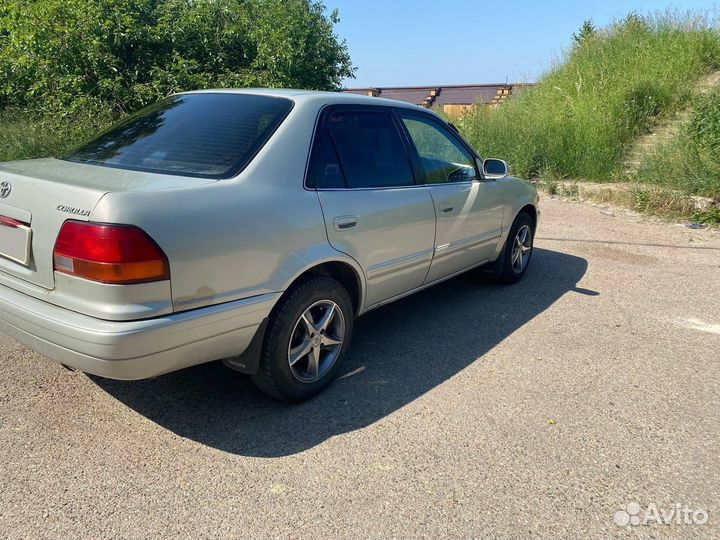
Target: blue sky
{"type": "Point", "coordinates": [424, 42]}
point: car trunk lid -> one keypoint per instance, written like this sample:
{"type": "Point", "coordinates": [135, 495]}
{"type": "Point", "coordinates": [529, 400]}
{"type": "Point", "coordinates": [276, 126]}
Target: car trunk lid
{"type": "Point", "coordinates": [42, 194]}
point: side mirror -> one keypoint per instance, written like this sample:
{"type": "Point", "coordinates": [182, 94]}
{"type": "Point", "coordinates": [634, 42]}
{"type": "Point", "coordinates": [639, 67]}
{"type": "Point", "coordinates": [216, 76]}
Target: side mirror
{"type": "Point", "coordinates": [494, 169]}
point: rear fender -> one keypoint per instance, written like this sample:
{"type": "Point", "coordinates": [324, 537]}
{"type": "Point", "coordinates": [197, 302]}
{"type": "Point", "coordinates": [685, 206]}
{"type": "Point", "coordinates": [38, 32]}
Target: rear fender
{"type": "Point", "coordinates": [311, 257]}
{"type": "Point", "coordinates": [303, 262]}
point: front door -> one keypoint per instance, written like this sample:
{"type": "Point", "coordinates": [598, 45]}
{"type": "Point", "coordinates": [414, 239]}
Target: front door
{"type": "Point", "coordinates": [374, 211]}
{"type": "Point", "coordinates": [469, 209]}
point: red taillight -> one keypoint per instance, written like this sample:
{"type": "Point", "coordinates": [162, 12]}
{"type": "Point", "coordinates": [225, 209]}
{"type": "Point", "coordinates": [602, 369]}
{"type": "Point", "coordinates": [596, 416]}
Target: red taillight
{"type": "Point", "coordinates": [108, 253]}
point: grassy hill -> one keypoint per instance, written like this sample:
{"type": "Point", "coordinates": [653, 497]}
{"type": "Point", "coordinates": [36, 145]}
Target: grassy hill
{"type": "Point", "coordinates": [690, 162]}
{"type": "Point", "coordinates": [614, 85]}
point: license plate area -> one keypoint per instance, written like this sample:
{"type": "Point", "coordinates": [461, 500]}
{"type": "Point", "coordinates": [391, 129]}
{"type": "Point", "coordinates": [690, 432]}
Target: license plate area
{"type": "Point", "coordinates": [15, 240]}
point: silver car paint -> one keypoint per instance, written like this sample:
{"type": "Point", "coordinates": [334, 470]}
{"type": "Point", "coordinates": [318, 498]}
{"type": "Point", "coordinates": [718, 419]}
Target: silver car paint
{"type": "Point", "coordinates": [391, 235]}
{"type": "Point", "coordinates": [34, 200]}
{"type": "Point", "coordinates": [469, 225]}
{"type": "Point", "coordinates": [132, 349]}
{"type": "Point", "coordinates": [248, 237]}
{"type": "Point", "coordinates": [44, 193]}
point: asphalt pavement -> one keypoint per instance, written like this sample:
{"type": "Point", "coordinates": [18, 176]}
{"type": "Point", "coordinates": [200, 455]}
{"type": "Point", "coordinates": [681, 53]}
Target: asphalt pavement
{"type": "Point", "coordinates": [582, 402]}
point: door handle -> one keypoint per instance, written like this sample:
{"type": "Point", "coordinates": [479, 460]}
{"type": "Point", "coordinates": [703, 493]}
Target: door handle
{"type": "Point", "coordinates": [343, 223]}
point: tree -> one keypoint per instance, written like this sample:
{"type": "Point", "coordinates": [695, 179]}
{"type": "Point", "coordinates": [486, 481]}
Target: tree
{"type": "Point", "coordinates": [127, 53]}
{"type": "Point", "coordinates": [587, 31]}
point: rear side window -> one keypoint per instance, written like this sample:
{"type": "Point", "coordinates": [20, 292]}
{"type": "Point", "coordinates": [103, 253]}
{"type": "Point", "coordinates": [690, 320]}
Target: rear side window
{"type": "Point", "coordinates": [204, 135]}
{"type": "Point", "coordinates": [325, 171]}
{"type": "Point", "coordinates": [361, 149]}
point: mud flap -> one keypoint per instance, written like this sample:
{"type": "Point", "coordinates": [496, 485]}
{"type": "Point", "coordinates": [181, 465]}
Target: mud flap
{"type": "Point", "coordinates": [248, 361]}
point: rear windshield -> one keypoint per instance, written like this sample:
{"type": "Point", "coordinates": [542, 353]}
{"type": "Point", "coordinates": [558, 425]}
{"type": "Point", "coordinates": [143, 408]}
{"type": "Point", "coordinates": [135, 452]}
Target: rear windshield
{"type": "Point", "coordinates": [204, 135]}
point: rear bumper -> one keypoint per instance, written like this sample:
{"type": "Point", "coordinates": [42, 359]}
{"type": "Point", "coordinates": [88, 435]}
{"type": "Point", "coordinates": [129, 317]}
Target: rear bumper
{"type": "Point", "coordinates": [130, 350]}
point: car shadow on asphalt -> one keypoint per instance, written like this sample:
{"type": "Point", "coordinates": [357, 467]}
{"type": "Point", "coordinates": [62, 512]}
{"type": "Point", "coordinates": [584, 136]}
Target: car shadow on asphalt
{"type": "Point", "coordinates": [399, 353]}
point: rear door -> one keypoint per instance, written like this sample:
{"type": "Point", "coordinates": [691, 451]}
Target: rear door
{"type": "Point", "coordinates": [374, 211]}
{"type": "Point", "coordinates": [469, 209]}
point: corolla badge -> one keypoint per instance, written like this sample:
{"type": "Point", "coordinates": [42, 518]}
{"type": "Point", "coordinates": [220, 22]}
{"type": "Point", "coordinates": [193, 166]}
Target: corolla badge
{"type": "Point", "coordinates": [72, 210]}
{"type": "Point", "coordinates": [5, 188]}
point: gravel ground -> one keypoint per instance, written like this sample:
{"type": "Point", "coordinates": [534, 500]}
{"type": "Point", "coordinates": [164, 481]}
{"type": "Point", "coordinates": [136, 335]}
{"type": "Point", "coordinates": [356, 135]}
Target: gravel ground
{"type": "Point", "coordinates": [467, 410]}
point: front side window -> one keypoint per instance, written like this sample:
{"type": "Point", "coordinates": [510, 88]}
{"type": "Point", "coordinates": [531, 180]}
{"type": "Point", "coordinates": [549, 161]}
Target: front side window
{"type": "Point", "coordinates": [205, 135]}
{"type": "Point", "coordinates": [360, 149]}
{"type": "Point", "coordinates": [443, 158]}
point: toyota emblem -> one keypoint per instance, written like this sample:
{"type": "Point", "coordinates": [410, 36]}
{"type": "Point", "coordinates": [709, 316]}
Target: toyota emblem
{"type": "Point", "coordinates": [5, 188]}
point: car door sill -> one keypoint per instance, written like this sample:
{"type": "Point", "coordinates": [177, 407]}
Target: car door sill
{"type": "Point", "coordinates": [423, 286]}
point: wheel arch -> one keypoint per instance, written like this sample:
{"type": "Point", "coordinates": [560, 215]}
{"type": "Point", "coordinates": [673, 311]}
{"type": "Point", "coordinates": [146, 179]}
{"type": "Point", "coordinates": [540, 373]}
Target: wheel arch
{"type": "Point", "coordinates": [336, 265]}
{"type": "Point", "coordinates": [529, 209]}
{"type": "Point", "coordinates": [343, 272]}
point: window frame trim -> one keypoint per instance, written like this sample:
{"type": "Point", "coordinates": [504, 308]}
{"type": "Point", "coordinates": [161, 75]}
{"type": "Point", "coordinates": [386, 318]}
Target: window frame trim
{"type": "Point", "coordinates": [321, 124]}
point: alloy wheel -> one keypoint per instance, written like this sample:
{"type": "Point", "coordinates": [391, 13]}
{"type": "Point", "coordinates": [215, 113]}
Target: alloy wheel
{"type": "Point", "coordinates": [316, 341]}
{"type": "Point", "coordinates": [522, 247]}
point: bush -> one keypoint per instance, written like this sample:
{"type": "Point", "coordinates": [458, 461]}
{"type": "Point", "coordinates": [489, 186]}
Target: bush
{"type": "Point", "coordinates": [68, 68]}
{"type": "Point", "coordinates": [614, 83]}
{"type": "Point", "coordinates": [128, 53]}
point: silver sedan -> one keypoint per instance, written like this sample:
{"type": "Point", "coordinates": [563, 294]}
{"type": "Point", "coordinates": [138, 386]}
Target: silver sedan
{"type": "Point", "coordinates": [249, 226]}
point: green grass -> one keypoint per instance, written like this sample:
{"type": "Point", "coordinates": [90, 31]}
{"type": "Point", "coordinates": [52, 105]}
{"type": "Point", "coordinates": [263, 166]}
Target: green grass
{"type": "Point", "coordinates": [691, 162]}
{"type": "Point", "coordinates": [641, 197]}
{"type": "Point", "coordinates": [611, 87]}
{"type": "Point", "coordinates": [25, 135]}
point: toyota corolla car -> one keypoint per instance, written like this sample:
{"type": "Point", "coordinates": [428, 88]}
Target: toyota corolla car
{"type": "Point", "coordinates": [249, 226]}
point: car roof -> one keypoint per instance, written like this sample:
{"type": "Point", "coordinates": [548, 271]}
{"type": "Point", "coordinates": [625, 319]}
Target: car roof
{"type": "Point", "coordinates": [313, 96]}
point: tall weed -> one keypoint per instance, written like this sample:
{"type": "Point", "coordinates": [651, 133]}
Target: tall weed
{"type": "Point", "coordinates": [611, 86]}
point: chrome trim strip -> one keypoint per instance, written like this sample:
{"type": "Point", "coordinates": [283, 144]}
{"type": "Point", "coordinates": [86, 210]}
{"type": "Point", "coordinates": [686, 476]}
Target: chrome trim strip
{"type": "Point", "coordinates": [379, 188]}
{"type": "Point", "coordinates": [386, 188]}
{"type": "Point", "coordinates": [395, 265]}
{"type": "Point", "coordinates": [470, 241]}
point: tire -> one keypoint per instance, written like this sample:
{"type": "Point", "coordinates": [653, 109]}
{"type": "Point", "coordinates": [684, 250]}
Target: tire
{"type": "Point", "coordinates": [296, 327]}
{"type": "Point", "coordinates": [509, 270]}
